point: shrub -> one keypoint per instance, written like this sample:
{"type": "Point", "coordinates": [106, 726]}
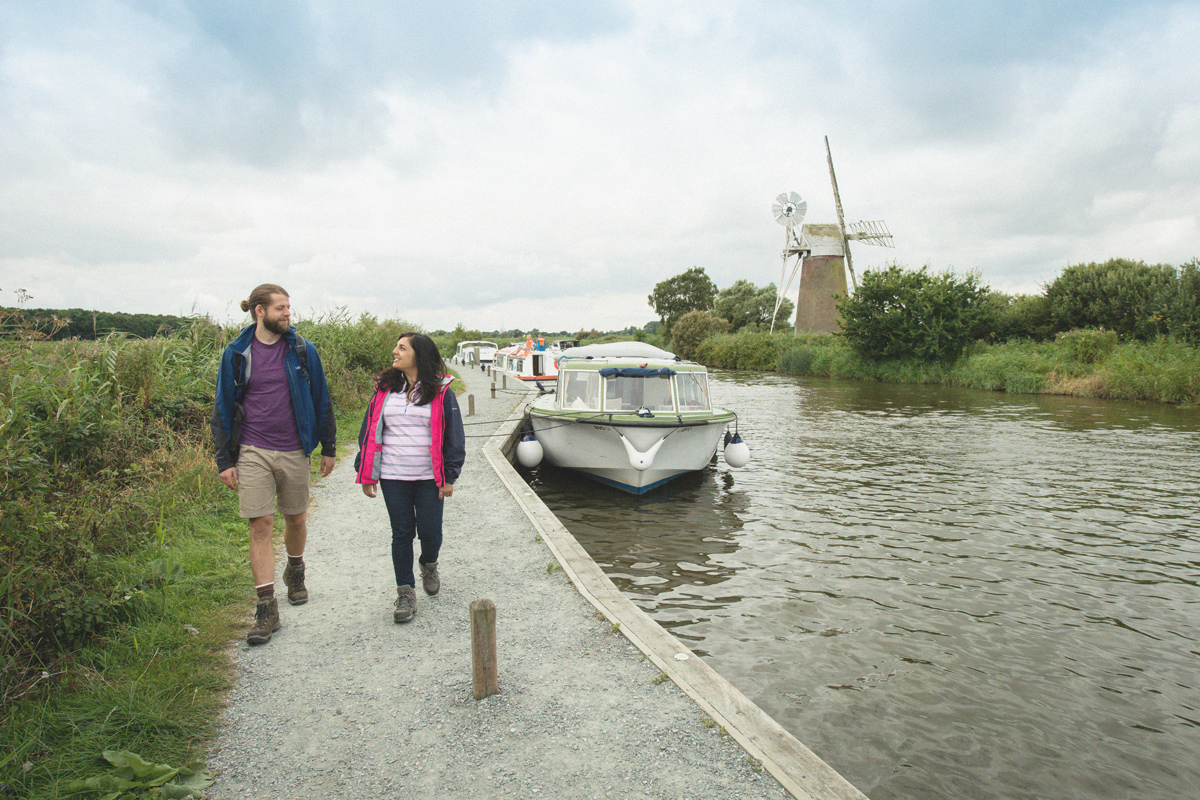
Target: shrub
{"type": "Point", "coordinates": [692, 328]}
{"type": "Point", "coordinates": [897, 313]}
{"type": "Point", "coordinates": [1088, 346]}
{"type": "Point", "coordinates": [758, 350]}
{"type": "Point", "coordinates": [1010, 317]}
{"type": "Point", "coordinates": [1130, 297]}
{"type": "Point", "coordinates": [1185, 308]}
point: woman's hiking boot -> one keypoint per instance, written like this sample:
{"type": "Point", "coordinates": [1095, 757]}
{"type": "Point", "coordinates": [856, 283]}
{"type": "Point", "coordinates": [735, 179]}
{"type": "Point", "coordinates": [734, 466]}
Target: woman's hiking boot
{"type": "Point", "coordinates": [266, 621]}
{"type": "Point", "coordinates": [429, 578]}
{"type": "Point", "coordinates": [293, 576]}
{"type": "Point", "coordinates": [406, 604]}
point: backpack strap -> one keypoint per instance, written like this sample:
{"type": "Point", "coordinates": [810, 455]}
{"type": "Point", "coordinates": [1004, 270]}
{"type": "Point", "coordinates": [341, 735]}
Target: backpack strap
{"type": "Point", "coordinates": [302, 352]}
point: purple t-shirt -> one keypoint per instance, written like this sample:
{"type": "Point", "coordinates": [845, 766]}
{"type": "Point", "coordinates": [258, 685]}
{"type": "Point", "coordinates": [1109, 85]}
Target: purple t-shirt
{"type": "Point", "coordinates": [270, 422]}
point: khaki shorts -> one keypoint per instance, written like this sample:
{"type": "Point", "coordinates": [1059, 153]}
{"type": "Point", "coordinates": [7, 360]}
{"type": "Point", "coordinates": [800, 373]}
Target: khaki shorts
{"type": "Point", "coordinates": [265, 475]}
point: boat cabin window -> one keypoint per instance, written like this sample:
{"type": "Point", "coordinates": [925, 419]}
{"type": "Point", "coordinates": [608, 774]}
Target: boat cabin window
{"type": "Point", "coordinates": [581, 390]}
{"type": "Point", "coordinates": [630, 394]}
{"type": "Point", "coordinates": [693, 391]}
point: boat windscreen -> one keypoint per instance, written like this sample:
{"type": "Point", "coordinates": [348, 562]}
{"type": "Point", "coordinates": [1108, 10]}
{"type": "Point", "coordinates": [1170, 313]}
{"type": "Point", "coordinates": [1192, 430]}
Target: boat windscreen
{"type": "Point", "coordinates": [581, 390]}
{"type": "Point", "coordinates": [693, 391]}
{"type": "Point", "coordinates": [629, 394]}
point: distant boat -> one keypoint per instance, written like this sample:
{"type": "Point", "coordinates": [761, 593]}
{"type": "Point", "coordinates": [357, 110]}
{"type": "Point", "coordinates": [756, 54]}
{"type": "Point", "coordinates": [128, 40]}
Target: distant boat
{"type": "Point", "coordinates": [533, 360]}
{"type": "Point", "coordinates": [630, 415]}
{"type": "Point", "coordinates": [475, 354]}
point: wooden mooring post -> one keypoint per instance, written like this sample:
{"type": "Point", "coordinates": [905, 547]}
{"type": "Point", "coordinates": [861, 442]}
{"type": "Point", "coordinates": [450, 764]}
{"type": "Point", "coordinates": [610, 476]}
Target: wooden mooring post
{"type": "Point", "coordinates": [483, 648]}
{"type": "Point", "coordinates": [470, 405]}
{"type": "Point", "coordinates": [503, 381]}
{"type": "Point", "coordinates": [493, 390]}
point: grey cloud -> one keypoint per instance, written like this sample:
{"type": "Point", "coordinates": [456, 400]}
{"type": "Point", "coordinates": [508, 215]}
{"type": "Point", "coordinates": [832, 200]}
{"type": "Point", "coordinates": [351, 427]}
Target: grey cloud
{"type": "Point", "coordinates": [273, 82]}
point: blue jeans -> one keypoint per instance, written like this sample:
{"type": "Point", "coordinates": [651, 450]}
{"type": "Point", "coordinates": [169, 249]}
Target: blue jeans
{"type": "Point", "coordinates": [415, 511]}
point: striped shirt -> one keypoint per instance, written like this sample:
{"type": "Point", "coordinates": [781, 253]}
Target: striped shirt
{"type": "Point", "coordinates": [406, 440]}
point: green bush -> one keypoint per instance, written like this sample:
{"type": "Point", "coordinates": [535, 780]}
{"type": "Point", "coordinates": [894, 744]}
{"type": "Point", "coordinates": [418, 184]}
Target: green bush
{"type": "Point", "coordinates": [1009, 317]}
{"type": "Point", "coordinates": [1185, 309]}
{"type": "Point", "coordinates": [757, 350]}
{"type": "Point", "coordinates": [1087, 346]}
{"type": "Point", "coordinates": [692, 328]}
{"type": "Point", "coordinates": [1130, 297]}
{"type": "Point", "coordinates": [898, 313]}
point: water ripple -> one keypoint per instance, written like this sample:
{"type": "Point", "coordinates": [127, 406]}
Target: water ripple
{"type": "Point", "coordinates": [944, 593]}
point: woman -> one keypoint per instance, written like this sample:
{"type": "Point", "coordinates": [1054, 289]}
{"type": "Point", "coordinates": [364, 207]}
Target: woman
{"type": "Point", "coordinates": [412, 446]}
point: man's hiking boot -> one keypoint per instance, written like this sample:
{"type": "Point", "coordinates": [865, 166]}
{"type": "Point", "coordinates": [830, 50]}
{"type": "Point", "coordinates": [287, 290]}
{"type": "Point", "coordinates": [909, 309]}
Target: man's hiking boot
{"type": "Point", "coordinates": [406, 604]}
{"type": "Point", "coordinates": [429, 578]}
{"type": "Point", "coordinates": [266, 621]}
{"type": "Point", "coordinates": [293, 576]}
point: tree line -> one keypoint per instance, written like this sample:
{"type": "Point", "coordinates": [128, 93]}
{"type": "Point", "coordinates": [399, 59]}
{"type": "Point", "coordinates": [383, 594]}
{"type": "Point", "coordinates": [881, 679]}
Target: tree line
{"type": "Point", "coordinates": [898, 312]}
{"type": "Point", "coordinates": [79, 323]}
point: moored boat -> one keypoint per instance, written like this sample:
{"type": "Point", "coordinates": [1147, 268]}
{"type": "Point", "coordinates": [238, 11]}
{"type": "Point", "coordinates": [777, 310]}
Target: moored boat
{"type": "Point", "coordinates": [475, 353]}
{"type": "Point", "coordinates": [533, 360]}
{"type": "Point", "coordinates": [630, 415]}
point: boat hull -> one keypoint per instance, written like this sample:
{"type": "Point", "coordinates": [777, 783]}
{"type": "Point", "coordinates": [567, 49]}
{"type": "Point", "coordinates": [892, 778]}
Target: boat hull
{"type": "Point", "coordinates": [595, 447]}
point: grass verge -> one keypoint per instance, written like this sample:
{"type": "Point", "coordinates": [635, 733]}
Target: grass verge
{"type": "Point", "coordinates": [1163, 371]}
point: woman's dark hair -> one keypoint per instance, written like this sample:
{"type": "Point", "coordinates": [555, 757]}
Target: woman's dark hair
{"type": "Point", "coordinates": [430, 369]}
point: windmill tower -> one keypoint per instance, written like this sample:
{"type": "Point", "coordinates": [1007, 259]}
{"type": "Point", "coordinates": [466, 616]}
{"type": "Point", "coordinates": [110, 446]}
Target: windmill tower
{"type": "Point", "coordinates": [824, 259]}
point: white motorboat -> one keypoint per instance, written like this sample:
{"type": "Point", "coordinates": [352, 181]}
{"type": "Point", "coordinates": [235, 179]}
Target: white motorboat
{"type": "Point", "coordinates": [475, 354]}
{"type": "Point", "coordinates": [630, 415]}
{"type": "Point", "coordinates": [533, 360]}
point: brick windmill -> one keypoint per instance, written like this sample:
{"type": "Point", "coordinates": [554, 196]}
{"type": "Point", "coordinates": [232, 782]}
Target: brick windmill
{"type": "Point", "coordinates": [822, 255]}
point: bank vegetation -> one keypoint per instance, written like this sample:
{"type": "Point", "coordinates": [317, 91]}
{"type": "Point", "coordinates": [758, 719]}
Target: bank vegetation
{"type": "Point", "coordinates": [123, 565]}
{"type": "Point", "coordinates": [1118, 329]}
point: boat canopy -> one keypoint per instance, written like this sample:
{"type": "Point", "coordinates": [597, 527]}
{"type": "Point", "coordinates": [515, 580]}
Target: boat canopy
{"type": "Point", "coordinates": [635, 372]}
{"type": "Point", "coordinates": [638, 350]}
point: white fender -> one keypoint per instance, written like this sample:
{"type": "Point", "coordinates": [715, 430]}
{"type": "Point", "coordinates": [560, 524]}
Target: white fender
{"type": "Point", "coordinates": [638, 460]}
{"type": "Point", "coordinates": [737, 452]}
{"type": "Point", "coordinates": [529, 453]}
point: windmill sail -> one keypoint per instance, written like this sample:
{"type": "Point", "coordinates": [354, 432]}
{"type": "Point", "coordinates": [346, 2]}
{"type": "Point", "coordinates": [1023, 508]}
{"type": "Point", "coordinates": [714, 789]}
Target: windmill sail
{"type": "Point", "coordinates": [869, 232]}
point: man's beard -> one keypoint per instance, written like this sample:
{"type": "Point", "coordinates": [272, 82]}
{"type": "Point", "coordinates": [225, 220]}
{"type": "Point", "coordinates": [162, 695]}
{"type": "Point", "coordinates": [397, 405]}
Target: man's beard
{"type": "Point", "coordinates": [279, 326]}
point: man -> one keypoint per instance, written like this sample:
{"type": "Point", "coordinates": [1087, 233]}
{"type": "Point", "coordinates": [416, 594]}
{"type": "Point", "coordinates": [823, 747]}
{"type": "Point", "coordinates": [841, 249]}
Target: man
{"type": "Point", "coordinates": [272, 409]}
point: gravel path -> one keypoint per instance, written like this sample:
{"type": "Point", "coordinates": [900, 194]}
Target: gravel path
{"type": "Point", "coordinates": [343, 703]}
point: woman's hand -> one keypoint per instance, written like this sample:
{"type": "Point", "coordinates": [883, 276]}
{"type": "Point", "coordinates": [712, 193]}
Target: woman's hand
{"type": "Point", "coordinates": [369, 489]}
{"type": "Point", "coordinates": [445, 491]}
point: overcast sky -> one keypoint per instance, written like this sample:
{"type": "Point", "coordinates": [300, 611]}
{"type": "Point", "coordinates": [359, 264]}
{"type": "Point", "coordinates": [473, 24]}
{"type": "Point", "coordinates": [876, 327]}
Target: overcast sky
{"type": "Point", "coordinates": [521, 164]}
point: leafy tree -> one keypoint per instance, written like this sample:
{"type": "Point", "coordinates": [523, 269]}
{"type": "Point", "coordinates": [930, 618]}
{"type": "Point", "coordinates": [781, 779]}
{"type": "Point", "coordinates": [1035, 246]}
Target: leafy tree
{"type": "Point", "coordinates": [693, 328]}
{"type": "Point", "coordinates": [461, 334]}
{"type": "Point", "coordinates": [898, 313]}
{"type": "Point", "coordinates": [688, 291]}
{"type": "Point", "coordinates": [748, 307]}
{"type": "Point", "coordinates": [1130, 297]}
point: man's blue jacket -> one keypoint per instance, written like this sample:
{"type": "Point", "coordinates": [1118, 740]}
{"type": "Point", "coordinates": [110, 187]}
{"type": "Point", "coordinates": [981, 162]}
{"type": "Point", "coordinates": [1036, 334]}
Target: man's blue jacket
{"type": "Point", "coordinates": [306, 384]}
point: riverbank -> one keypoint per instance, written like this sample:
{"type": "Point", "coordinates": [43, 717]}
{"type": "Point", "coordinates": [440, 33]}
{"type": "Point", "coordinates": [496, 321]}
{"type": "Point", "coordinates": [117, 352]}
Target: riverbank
{"type": "Point", "coordinates": [1078, 363]}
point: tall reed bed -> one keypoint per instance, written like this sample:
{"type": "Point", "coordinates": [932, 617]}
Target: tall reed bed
{"type": "Point", "coordinates": [122, 562]}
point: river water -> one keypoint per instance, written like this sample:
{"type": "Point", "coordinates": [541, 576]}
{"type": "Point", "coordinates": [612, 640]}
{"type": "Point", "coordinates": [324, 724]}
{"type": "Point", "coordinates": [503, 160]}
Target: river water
{"type": "Point", "coordinates": [944, 593]}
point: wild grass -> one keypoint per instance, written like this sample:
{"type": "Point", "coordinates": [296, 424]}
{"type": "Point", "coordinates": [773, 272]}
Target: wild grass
{"type": "Point", "coordinates": [123, 565]}
{"type": "Point", "coordinates": [1087, 363]}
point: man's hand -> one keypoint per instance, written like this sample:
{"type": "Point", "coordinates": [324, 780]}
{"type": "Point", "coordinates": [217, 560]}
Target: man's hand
{"type": "Point", "coordinates": [445, 491]}
{"type": "Point", "coordinates": [327, 463]}
{"type": "Point", "coordinates": [229, 477]}
{"type": "Point", "coordinates": [369, 489]}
